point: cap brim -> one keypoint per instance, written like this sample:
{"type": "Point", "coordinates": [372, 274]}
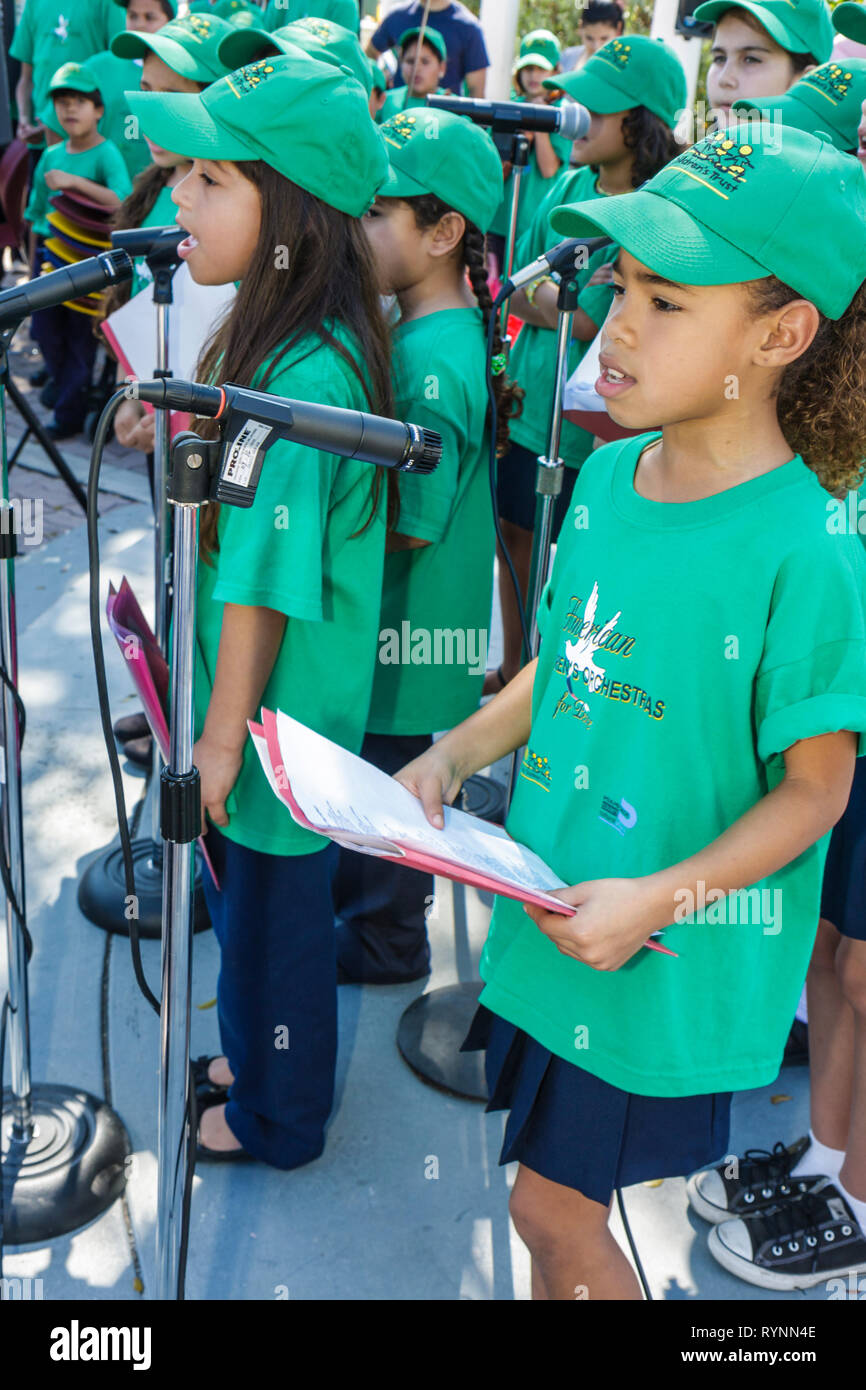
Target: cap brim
{"type": "Point", "coordinates": [712, 10]}
{"type": "Point", "coordinates": [591, 92]}
{"type": "Point", "coordinates": [850, 19]}
{"type": "Point", "coordinates": [533, 60]}
{"type": "Point", "coordinates": [662, 236]}
{"type": "Point", "coordinates": [73, 87]}
{"type": "Point", "coordinates": [399, 185]}
{"type": "Point", "coordinates": [235, 50]}
{"type": "Point", "coordinates": [132, 44]}
{"type": "Point", "coordinates": [797, 115]}
{"type": "Point", "coordinates": [180, 122]}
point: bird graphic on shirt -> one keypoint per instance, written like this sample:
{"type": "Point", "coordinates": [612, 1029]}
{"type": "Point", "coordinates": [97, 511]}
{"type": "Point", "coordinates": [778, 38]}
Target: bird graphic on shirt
{"type": "Point", "coordinates": [62, 30]}
{"type": "Point", "coordinates": [581, 652]}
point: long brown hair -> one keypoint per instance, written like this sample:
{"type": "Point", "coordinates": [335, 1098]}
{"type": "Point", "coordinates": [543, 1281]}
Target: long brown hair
{"type": "Point", "coordinates": [428, 210]}
{"type": "Point", "coordinates": [146, 188]}
{"type": "Point", "coordinates": [821, 398]}
{"type": "Point", "coordinates": [330, 283]}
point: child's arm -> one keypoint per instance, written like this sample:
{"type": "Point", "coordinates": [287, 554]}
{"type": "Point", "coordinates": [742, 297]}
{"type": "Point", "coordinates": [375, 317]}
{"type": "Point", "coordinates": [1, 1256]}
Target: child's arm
{"type": "Point", "coordinates": [549, 162]}
{"type": "Point", "coordinates": [249, 642]}
{"type": "Point", "coordinates": [491, 733]}
{"type": "Point", "coordinates": [615, 915]}
{"type": "Point", "coordinates": [28, 123]}
{"type": "Point", "coordinates": [57, 179]}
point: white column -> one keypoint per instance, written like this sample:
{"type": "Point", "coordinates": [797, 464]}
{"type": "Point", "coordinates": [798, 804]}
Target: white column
{"type": "Point", "coordinates": [499, 22]}
{"type": "Point", "coordinates": [687, 50]}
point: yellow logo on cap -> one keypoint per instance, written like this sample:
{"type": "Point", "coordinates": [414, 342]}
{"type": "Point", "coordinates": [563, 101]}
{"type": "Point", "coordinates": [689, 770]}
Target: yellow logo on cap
{"type": "Point", "coordinates": [318, 27]}
{"type": "Point", "coordinates": [831, 80]}
{"type": "Point", "coordinates": [617, 52]}
{"type": "Point", "coordinates": [722, 161]}
{"type": "Point", "coordinates": [199, 26]}
{"type": "Point", "coordinates": [251, 76]}
{"type": "Point", "coordinates": [403, 125]}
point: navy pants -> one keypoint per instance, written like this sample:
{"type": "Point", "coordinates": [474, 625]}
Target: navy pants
{"type": "Point", "coordinates": [276, 995]}
{"type": "Point", "coordinates": [381, 907]}
{"type": "Point", "coordinates": [68, 346]}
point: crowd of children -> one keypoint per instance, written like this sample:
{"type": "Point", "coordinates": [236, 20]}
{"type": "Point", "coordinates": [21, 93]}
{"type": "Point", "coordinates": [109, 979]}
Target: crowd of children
{"type": "Point", "coordinates": [692, 721]}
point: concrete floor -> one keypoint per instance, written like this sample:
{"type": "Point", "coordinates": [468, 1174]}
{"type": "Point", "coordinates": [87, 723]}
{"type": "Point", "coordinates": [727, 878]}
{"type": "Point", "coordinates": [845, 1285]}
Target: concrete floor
{"type": "Point", "coordinates": [376, 1217]}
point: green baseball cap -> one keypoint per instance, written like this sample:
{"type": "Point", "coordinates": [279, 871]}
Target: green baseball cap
{"type": "Point", "coordinates": [73, 77]}
{"type": "Point", "coordinates": [188, 46]}
{"type": "Point", "coordinates": [850, 20]}
{"type": "Point", "coordinates": [827, 99]}
{"type": "Point", "coordinates": [172, 4]}
{"type": "Point", "coordinates": [437, 152]}
{"type": "Point", "coordinates": [800, 26]}
{"type": "Point", "coordinates": [734, 208]}
{"type": "Point", "coordinates": [309, 120]}
{"type": "Point", "coordinates": [321, 38]}
{"type": "Point", "coordinates": [543, 44]}
{"type": "Point", "coordinates": [431, 36]}
{"type": "Point", "coordinates": [533, 60]}
{"type": "Point", "coordinates": [630, 71]}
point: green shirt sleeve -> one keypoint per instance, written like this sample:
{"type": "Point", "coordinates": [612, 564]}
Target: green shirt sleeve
{"type": "Point", "coordinates": [37, 205]}
{"type": "Point", "coordinates": [114, 173]}
{"type": "Point", "coordinates": [426, 503]}
{"type": "Point", "coordinates": [23, 42]}
{"type": "Point", "coordinates": [812, 675]}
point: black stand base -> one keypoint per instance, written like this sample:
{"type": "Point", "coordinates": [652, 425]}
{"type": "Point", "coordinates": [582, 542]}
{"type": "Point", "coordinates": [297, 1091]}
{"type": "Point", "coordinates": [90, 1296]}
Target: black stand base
{"type": "Point", "coordinates": [70, 1172]}
{"type": "Point", "coordinates": [102, 891]}
{"type": "Point", "coordinates": [429, 1037]}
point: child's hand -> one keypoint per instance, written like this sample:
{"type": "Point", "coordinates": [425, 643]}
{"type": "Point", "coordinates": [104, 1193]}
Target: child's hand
{"type": "Point", "coordinates": [134, 427]}
{"type": "Point", "coordinates": [614, 918]}
{"type": "Point", "coordinates": [433, 778]}
{"type": "Point", "coordinates": [218, 766]}
{"type": "Point", "coordinates": [57, 179]}
{"type": "Point", "coordinates": [603, 275]}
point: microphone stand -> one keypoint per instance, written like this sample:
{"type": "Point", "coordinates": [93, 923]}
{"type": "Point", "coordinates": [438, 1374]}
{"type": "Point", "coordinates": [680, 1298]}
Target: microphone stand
{"type": "Point", "coordinates": [512, 146]}
{"type": "Point", "coordinates": [64, 1151]}
{"type": "Point", "coordinates": [101, 893]}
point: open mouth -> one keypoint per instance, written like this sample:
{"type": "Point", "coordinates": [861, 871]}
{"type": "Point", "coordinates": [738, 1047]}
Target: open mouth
{"type": "Point", "coordinates": [613, 382]}
{"type": "Point", "coordinates": [187, 246]}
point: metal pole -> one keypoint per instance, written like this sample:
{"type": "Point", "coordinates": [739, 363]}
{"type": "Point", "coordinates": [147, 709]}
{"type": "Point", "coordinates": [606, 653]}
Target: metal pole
{"type": "Point", "coordinates": [162, 532]}
{"type": "Point", "coordinates": [12, 829]}
{"type": "Point", "coordinates": [180, 805]}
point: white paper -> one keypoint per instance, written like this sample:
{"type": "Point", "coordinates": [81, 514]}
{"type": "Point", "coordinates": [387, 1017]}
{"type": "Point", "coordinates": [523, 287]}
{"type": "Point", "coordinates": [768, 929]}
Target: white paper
{"type": "Point", "coordinates": [579, 392]}
{"type": "Point", "coordinates": [339, 792]}
{"type": "Point", "coordinates": [191, 317]}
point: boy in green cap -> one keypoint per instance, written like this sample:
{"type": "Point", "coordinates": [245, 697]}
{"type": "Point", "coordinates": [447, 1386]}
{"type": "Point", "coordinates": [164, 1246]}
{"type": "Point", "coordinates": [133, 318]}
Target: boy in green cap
{"type": "Point", "coordinates": [422, 71]}
{"type": "Point", "coordinates": [693, 717]}
{"type": "Point", "coordinates": [760, 47]}
{"type": "Point", "coordinates": [635, 89]}
{"type": "Point", "coordinates": [88, 164]}
{"type": "Point", "coordinates": [116, 75]}
{"type": "Point", "coordinates": [48, 34]}
{"type": "Point", "coordinates": [426, 231]}
{"type": "Point", "coordinates": [289, 588]}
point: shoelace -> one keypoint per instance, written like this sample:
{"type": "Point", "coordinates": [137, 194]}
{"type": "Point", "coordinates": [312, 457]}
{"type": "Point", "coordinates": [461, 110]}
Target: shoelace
{"type": "Point", "coordinates": [795, 1224]}
{"type": "Point", "coordinates": [763, 1162]}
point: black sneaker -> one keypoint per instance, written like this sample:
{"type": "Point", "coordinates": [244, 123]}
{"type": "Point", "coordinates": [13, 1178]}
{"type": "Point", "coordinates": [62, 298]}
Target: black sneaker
{"type": "Point", "coordinates": [801, 1243]}
{"type": "Point", "coordinates": [761, 1180]}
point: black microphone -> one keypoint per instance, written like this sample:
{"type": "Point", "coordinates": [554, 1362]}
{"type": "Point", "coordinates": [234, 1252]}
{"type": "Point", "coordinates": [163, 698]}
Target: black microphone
{"type": "Point", "coordinates": [255, 420]}
{"type": "Point", "coordinates": [69, 282]}
{"type": "Point", "coordinates": [144, 241]}
{"type": "Point", "coordinates": [569, 255]}
{"type": "Point", "coordinates": [570, 120]}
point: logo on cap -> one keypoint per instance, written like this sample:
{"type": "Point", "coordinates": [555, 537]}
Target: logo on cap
{"type": "Point", "coordinates": [722, 161]}
{"type": "Point", "coordinates": [831, 80]}
{"type": "Point", "coordinates": [318, 27]}
{"type": "Point", "coordinates": [251, 76]}
{"type": "Point", "coordinates": [199, 26]}
{"type": "Point", "coordinates": [403, 126]}
{"type": "Point", "coordinates": [617, 52]}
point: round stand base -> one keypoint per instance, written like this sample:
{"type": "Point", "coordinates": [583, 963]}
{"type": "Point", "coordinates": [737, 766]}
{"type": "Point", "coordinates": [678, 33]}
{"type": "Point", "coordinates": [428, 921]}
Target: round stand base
{"type": "Point", "coordinates": [70, 1171]}
{"type": "Point", "coordinates": [429, 1036]}
{"type": "Point", "coordinates": [102, 891]}
{"type": "Point", "coordinates": [485, 798]}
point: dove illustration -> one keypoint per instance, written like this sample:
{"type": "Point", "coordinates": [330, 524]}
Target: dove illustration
{"type": "Point", "coordinates": [581, 652]}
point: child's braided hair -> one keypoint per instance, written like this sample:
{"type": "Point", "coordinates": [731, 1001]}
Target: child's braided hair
{"type": "Point", "coordinates": [428, 210]}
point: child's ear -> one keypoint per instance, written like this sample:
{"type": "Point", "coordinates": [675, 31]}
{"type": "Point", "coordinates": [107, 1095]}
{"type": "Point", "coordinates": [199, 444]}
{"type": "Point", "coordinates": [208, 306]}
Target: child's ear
{"type": "Point", "coordinates": [791, 331]}
{"type": "Point", "coordinates": [448, 233]}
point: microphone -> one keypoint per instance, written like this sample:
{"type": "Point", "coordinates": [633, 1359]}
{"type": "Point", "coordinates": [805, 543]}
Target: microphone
{"type": "Point", "coordinates": [570, 120]}
{"type": "Point", "coordinates": [144, 241]}
{"type": "Point", "coordinates": [254, 420]}
{"type": "Point", "coordinates": [69, 282]}
{"type": "Point", "coordinates": [560, 258]}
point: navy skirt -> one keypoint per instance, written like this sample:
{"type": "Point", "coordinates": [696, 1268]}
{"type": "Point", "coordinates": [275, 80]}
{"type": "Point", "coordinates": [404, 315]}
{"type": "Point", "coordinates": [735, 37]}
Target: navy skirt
{"type": "Point", "coordinates": [843, 896]}
{"type": "Point", "coordinates": [577, 1130]}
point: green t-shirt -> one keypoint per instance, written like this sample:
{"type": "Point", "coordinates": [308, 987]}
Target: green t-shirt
{"type": "Point", "coordinates": [117, 76]}
{"type": "Point", "coordinates": [399, 100]}
{"type": "Point", "coordinates": [103, 163]}
{"type": "Point", "coordinates": [282, 12]}
{"type": "Point", "coordinates": [685, 647]}
{"type": "Point", "coordinates": [533, 358]}
{"type": "Point", "coordinates": [53, 32]}
{"type": "Point", "coordinates": [296, 550]}
{"type": "Point", "coordinates": [436, 601]}
{"type": "Point", "coordinates": [533, 187]}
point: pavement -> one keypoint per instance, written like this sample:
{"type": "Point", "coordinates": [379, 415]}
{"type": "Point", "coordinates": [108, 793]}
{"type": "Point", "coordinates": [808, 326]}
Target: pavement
{"type": "Point", "coordinates": [408, 1200]}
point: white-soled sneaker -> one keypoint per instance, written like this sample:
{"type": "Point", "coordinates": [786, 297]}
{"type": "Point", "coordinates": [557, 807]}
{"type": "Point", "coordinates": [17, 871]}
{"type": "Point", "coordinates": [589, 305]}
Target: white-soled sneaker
{"type": "Point", "coordinates": [763, 1180]}
{"type": "Point", "coordinates": [807, 1239]}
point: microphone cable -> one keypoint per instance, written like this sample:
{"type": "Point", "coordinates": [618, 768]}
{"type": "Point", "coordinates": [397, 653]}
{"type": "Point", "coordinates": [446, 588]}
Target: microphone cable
{"type": "Point", "coordinates": [100, 439]}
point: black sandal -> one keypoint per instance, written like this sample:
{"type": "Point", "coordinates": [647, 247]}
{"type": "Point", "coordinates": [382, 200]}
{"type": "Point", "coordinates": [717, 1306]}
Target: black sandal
{"type": "Point", "coordinates": [207, 1092]}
